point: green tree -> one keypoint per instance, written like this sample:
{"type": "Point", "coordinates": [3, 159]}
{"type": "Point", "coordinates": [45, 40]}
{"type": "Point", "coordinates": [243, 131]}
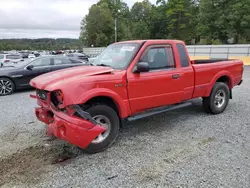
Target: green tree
{"type": "Point", "coordinates": [179, 16]}
{"type": "Point", "coordinates": [97, 28]}
{"type": "Point", "coordinates": [140, 17]}
{"type": "Point", "coordinates": [238, 20]}
{"type": "Point", "coordinates": [213, 21]}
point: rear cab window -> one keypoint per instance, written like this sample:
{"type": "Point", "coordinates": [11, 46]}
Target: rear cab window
{"type": "Point", "coordinates": [183, 55]}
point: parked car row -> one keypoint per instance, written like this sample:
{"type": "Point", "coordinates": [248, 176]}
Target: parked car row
{"type": "Point", "coordinates": [29, 54]}
{"type": "Point", "coordinates": [17, 75]}
{"type": "Point", "coordinates": [10, 58]}
{"type": "Point", "coordinates": [81, 56]}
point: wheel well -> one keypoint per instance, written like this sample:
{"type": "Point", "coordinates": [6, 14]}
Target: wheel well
{"type": "Point", "coordinates": [103, 100]}
{"type": "Point", "coordinates": [225, 79]}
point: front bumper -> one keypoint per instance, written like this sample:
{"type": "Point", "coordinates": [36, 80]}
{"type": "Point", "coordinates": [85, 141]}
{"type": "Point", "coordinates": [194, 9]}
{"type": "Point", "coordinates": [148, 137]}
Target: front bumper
{"type": "Point", "coordinates": [72, 129]}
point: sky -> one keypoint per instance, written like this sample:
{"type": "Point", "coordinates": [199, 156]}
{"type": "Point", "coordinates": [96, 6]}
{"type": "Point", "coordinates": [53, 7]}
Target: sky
{"type": "Point", "coordinates": [43, 18]}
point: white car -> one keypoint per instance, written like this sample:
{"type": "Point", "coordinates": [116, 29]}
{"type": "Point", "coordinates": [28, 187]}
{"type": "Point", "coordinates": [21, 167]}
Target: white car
{"type": "Point", "coordinates": [31, 56]}
{"type": "Point", "coordinates": [10, 58]}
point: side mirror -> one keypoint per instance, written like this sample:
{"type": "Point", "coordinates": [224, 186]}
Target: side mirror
{"type": "Point", "coordinates": [30, 67]}
{"type": "Point", "coordinates": [142, 67]}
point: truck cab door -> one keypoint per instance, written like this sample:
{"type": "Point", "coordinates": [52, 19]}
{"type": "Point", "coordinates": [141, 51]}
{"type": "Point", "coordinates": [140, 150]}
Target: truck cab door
{"type": "Point", "coordinates": [188, 75]}
{"type": "Point", "coordinates": [161, 85]}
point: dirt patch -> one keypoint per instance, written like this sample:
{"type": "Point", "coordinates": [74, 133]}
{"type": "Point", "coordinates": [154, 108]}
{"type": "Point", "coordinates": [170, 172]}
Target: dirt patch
{"type": "Point", "coordinates": [28, 165]}
{"type": "Point", "coordinates": [10, 135]}
{"type": "Point", "coordinates": [148, 174]}
{"type": "Point", "coordinates": [207, 141]}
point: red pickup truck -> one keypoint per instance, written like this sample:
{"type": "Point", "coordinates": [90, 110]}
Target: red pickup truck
{"type": "Point", "coordinates": [129, 80]}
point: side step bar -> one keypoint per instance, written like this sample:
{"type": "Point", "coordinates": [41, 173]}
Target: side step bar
{"type": "Point", "coordinates": [159, 110]}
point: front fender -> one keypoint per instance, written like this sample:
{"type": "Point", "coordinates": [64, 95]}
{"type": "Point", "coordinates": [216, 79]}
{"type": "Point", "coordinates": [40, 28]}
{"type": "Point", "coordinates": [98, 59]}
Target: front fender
{"type": "Point", "coordinates": [216, 77]}
{"type": "Point", "coordinates": [121, 104]}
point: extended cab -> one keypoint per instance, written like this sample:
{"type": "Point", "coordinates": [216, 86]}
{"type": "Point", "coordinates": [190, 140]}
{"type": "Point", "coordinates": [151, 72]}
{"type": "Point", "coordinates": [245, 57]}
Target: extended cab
{"type": "Point", "coordinates": [129, 80]}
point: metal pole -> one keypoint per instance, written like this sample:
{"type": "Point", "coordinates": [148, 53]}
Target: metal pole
{"type": "Point", "coordinates": [115, 28]}
{"type": "Point", "coordinates": [115, 2]}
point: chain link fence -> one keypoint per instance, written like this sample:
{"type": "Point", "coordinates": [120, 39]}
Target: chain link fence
{"type": "Point", "coordinates": [93, 52]}
{"type": "Point", "coordinates": [219, 51]}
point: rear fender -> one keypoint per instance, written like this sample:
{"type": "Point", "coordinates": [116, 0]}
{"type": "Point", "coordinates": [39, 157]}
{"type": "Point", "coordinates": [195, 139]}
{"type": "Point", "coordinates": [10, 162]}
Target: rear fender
{"type": "Point", "coordinates": [216, 77]}
{"type": "Point", "coordinates": [103, 92]}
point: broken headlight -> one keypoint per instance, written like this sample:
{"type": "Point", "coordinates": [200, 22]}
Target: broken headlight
{"type": "Point", "coordinates": [57, 98]}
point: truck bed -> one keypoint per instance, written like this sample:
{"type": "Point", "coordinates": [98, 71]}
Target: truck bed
{"type": "Point", "coordinates": [202, 61]}
{"type": "Point", "coordinates": [205, 79]}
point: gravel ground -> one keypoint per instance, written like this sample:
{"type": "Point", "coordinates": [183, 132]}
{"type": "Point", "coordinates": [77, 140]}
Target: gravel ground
{"type": "Point", "coordinates": [184, 148]}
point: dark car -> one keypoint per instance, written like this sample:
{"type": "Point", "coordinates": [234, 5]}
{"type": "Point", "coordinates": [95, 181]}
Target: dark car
{"type": "Point", "coordinates": [37, 54]}
{"type": "Point", "coordinates": [24, 54]}
{"type": "Point", "coordinates": [81, 56]}
{"type": "Point", "coordinates": [17, 76]}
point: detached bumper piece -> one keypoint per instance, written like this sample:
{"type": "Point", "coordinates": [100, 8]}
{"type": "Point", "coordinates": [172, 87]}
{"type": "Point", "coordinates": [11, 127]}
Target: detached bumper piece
{"type": "Point", "coordinates": [72, 129]}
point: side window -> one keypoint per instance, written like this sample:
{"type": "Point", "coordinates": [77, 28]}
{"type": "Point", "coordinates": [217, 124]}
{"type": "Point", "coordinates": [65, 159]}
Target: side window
{"type": "Point", "coordinates": [183, 55]}
{"type": "Point", "coordinates": [1, 56]}
{"type": "Point", "coordinates": [41, 62]}
{"type": "Point", "coordinates": [75, 61]}
{"type": "Point", "coordinates": [61, 61]}
{"type": "Point", "coordinates": [13, 57]}
{"type": "Point", "coordinates": [159, 58]}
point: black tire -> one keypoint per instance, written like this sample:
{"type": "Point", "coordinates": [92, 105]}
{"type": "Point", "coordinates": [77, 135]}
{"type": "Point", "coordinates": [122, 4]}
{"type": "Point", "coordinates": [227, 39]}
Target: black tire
{"type": "Point", "coordinates": [7, 86]}
{"type": "Point", "coordinates": [209, 103]}
{"type": "Point", "coordinates": [111, 114]}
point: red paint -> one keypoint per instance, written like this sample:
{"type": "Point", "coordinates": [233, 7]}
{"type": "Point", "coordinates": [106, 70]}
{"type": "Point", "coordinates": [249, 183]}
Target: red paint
{"type": "Point", "coordinates": [33, 96]}
{"type": "Point", "coordinates": [72, 129]}
{"type": "Point", "coordinates": [131, 92]}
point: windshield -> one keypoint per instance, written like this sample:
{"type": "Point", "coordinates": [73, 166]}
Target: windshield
{"type": "Point", "coordinates": [117, 56]}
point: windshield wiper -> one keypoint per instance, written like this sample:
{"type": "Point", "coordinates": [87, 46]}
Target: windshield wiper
{"type": "Point", "coordinates": [104, 65]}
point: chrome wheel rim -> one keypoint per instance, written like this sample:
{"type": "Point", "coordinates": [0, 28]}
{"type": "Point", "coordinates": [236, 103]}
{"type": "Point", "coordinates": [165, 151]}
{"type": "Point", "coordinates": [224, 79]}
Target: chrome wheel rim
{"type": "Point", "coordinates": [5, 87]}
{"type": "Point", "coordinates": [104, 122]}
{"type": "Point", "coordinates": [220, 98]}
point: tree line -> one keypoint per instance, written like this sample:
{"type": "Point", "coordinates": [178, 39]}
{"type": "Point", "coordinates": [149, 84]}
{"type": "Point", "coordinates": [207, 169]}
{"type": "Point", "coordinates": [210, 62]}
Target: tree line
{"type": "Point", "coordinates": [193, 21]}
{"type": "Point", "coordinates": [39, 44]}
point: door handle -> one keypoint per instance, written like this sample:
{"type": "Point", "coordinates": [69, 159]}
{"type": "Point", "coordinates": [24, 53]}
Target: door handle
{"type": "Point", "coordinates": [47, 69]}
{"type": "Point", "coordinates": [176, 76]}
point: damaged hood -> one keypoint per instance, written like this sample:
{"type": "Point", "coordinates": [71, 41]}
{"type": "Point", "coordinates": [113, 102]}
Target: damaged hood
{"type": "Point", "coordinates": [80, 74]}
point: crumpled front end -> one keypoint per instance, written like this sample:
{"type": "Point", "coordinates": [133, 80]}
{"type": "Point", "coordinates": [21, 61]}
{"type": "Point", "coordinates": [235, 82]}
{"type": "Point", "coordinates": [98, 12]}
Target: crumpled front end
{"type": "Point", "coordinates": [71, 124]}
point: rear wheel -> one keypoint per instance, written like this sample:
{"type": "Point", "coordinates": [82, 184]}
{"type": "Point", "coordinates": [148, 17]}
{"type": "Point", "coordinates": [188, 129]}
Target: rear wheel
{"type": "Point", "coordinates": [108, 118]}
{"type": "Point", "coordinates": [218, 100]}
{"type": "Point", "coordinates": [7, 87]}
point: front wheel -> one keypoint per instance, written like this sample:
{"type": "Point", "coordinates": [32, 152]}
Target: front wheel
{"type": "Point", "coordinates": [218, 100]}
{"type": "Point", "coordinates": [108, 118]}
{"type": "Point", "coordinates": [7, 87]}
